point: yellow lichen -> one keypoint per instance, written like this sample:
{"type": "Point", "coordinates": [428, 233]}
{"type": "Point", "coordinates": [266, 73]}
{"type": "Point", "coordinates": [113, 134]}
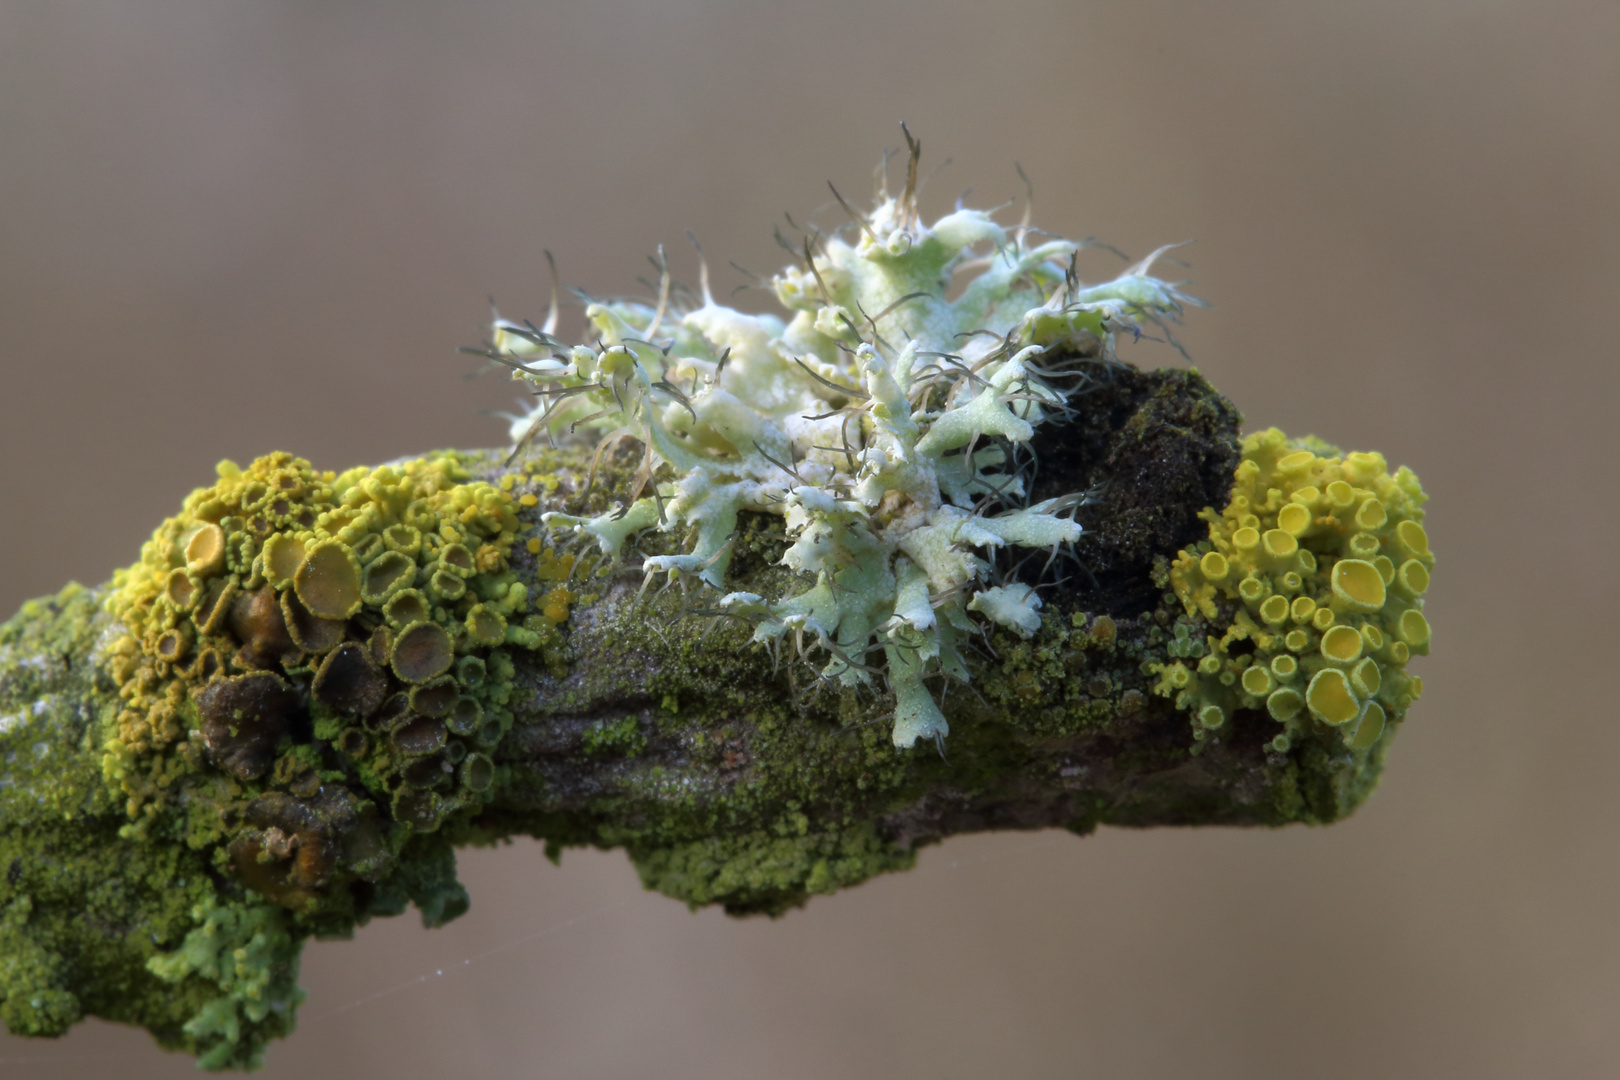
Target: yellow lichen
{"type": "Point", "coordinates": [1313, 579]}
{"type": "Point", "coordinates": [278, 570]}
{"type": "Point", "coordinates": [554, 606]}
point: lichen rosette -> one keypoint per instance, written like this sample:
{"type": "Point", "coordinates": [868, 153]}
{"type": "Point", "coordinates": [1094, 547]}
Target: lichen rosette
{"type": "Point", "coordinates": [884, 421]}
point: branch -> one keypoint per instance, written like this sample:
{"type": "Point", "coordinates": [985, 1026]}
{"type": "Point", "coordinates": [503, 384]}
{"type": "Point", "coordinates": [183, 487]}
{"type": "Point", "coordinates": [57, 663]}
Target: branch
{"type": "Point", "coordinates": [177, 897]}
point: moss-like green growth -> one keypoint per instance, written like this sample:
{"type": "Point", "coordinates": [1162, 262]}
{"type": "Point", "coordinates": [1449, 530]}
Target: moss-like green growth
{"type": "Point", "coordinates": [765, 872]}
{"type": "Point", "coordinates": [1307, 599]}
{"type": "Point", "coordinates": [621, 736]}
{"type": "Point", "coordinates": [85, 910]}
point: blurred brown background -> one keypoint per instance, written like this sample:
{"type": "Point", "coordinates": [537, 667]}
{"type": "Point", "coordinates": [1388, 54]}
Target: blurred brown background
{"type": "Point", "coordinates": [231, 228]}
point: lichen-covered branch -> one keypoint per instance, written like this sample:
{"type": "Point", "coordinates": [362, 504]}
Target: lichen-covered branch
{"type": "Point", "coordinates": [729, 775]}
{"type": "Point", "coordinates": [788, 601]}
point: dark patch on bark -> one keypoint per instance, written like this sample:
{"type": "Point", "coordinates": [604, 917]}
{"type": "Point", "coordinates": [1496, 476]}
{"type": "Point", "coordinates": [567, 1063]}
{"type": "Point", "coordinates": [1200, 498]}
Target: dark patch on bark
{"type": "Point", "coordinates": [1157, 447]}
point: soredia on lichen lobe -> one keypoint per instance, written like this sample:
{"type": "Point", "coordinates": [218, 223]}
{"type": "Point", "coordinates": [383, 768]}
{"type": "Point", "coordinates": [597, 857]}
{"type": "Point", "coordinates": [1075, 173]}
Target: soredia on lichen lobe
{"type": "Point", "coordinates": [1307, 600]}
{"type": "Point", "coordinates": [887, 422]}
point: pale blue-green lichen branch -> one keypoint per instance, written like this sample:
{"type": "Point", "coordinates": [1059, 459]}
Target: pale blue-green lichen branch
{"type": "Point", "coordinates": [879, 420]}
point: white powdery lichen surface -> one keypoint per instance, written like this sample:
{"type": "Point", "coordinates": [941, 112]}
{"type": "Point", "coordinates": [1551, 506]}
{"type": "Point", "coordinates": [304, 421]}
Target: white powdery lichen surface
{"type": "Point", "coordinates": [877, 421]}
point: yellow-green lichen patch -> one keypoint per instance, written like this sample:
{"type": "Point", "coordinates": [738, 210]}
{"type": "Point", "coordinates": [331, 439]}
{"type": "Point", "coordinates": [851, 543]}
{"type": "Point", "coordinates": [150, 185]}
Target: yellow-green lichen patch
{"type": "Point", "coordinates": [1307, 599]}
{"type": "Point", "coordinates": [273, 619]}
{"type": "Point", "coordinates": [311, 675]}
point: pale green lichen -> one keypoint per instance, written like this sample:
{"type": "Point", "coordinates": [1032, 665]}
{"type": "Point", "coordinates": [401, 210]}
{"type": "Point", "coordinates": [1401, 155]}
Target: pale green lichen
{"type": "Point", "coordinates": [247, 952]}
{"type": "Point", "coordinates": [882, 421]}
